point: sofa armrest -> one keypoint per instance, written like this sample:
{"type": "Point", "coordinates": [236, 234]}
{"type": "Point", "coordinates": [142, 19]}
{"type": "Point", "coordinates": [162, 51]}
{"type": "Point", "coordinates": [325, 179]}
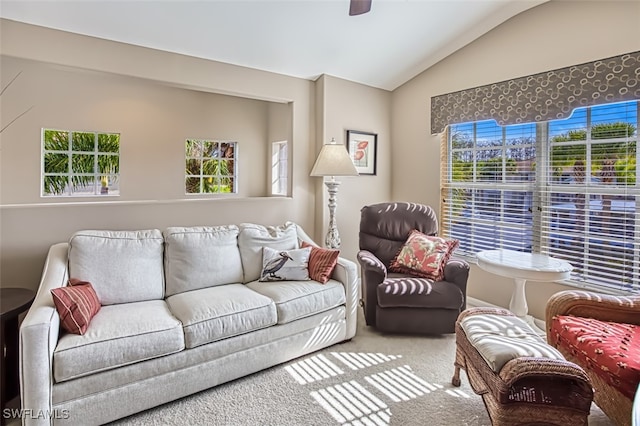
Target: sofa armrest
{"type": "Point", "coordinates": [603, 307]}
{"type": "Point", "coordinates": [38, 339]}
{"type": "Point", "coordinates": [347, 273]}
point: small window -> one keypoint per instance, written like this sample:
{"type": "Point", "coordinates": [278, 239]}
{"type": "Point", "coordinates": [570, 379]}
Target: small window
{"type": "Point", "coordinates": [80, 164]}
{"type": "Point", "coordinates": [279, 168]}
{"type": "Point", "coordinates": [210, 167]}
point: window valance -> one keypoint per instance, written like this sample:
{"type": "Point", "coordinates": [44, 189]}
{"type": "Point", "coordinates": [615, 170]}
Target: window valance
{"type": "Point", "coordinates": [541, 97]}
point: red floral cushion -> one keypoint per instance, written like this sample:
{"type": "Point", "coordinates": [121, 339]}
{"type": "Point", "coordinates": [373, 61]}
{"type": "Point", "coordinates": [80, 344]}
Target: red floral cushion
{"type": "Point", "coordinates": [321, 262]}
{"type": "Point", "coordinates": [611, 350]}
{"type": "Point", "coordinates": [76, 304]}
{"type": "Point", "coordinates": [424, 256]}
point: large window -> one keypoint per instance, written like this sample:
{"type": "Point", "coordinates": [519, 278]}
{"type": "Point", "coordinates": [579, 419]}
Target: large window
{"type": "Point", "coordinates": [568, 188]}
{"type": "Point", "coordinates": [210, 167]}
{"type": "Point", "coordinates": [80, 163]}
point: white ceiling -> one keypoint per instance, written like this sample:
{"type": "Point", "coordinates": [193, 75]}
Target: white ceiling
{"type": "Point", "coordinates": [302, 38]}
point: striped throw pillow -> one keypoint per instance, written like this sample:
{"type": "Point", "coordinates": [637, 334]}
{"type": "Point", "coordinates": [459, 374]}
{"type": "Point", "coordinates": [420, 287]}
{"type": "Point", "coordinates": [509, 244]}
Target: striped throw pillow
{"type": "Point", "coordinates": [76, 304]}
{"type": "Point", "coordinates": [321, 262]}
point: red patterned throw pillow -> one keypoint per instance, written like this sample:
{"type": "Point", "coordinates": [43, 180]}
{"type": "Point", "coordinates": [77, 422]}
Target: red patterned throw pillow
{"type": "Point", "coordinates": [76, 304]}
{"type": "Point", "coordinates": [321, 262]}
{"type": "Point", "coordinates": [424, 256]}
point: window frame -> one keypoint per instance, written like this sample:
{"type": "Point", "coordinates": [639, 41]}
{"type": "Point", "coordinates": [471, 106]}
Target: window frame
{"type": "Point", "coordinates": [280, 168]}
{"type": "Point", "coordinates": [103, 183]}
{"type": "Point", "coordinates": [202, 159]}
{"type": "Point", "coordinates": [543, 187]}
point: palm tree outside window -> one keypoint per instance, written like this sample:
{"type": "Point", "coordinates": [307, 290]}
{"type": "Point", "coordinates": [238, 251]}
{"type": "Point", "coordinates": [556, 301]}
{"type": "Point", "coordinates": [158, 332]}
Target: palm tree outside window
{"type": "Point", "coordinates": [210, 167]}
{"type": "Point", "coordinates": [78, 163]}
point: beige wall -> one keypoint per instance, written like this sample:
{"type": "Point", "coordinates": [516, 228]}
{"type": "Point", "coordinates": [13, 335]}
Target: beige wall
{"type": "Point", "coordinates": [153, 121]}
{"type": "Point", "coordinates": [156, 100]}
{"type": "Point", "coordinates": [147, 92]}
{"type": "Point", "coordinates": [352, 106]}
{"type": "Point", "coordinates": [553, 35]}
{"type": "Point", "coordinates": [280, 119]}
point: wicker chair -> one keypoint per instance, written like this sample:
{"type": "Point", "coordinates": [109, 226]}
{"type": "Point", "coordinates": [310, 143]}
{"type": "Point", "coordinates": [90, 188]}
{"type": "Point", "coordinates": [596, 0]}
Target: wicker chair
{"type": "Point", "coordinates": [601, 307]}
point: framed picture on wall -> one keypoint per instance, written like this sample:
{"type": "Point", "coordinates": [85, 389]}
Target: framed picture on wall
{"type": "Point", "coordinates": [362, 148]}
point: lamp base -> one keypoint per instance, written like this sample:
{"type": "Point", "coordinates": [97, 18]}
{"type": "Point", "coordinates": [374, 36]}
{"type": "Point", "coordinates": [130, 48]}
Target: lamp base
{"type": "Point", "coordinates": [332, 240]}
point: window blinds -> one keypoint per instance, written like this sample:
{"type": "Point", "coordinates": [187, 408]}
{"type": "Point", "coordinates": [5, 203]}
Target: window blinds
{"type": "Point", "coordinates": [589, 199]}
{"type": "Point", "coordinates": [567, 188]}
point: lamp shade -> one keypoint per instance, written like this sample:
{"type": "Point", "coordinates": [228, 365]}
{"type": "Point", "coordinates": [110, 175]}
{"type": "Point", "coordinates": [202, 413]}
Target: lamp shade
{"type": "Point", "coordinates": [334, 160]}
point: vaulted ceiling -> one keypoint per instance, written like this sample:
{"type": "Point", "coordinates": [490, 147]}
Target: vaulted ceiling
{"type": "Point", "coordinates": [384, 48]}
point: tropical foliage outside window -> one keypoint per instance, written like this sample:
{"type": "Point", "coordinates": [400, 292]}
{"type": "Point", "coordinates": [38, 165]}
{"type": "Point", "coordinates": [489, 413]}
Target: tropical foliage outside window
{"type": "Point", "coordinates": [80, 163]}
{"type": "Point", "coordinates": [210, 167]}
{"type": "Point", "coordinates": [568, 188]}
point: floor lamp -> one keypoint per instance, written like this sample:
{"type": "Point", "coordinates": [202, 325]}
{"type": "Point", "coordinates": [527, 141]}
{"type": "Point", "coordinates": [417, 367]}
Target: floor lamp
{"type": "Point", "coordinates": [333, 161]}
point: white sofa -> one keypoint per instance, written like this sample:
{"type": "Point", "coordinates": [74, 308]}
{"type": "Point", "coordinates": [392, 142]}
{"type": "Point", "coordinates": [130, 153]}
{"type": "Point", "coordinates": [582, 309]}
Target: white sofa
{"type": "Point", "coordinates": [182, 311]}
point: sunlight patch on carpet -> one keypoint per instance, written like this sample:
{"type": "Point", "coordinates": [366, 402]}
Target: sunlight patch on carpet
{"type": "Point", "coordinates": [351, 402]}
{"type": "Point", "coordinates": [368, 404]}
{"type": "Point", "coordinates": [358, 360]}
{"type": "Point", "coordinates": [457, 393]}
{"type": "Point", "coordinates": [400, 384]}
{"type": "Point", "coordinates": [312, 369]}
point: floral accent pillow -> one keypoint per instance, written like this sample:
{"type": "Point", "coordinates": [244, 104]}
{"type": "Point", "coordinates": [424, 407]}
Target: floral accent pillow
{"type": "Point", "coordinates": [424, 256]}
{"type": "Point", "coordinates": [285, 265]}
{"type": "Point", "coordinates": [321, 262]}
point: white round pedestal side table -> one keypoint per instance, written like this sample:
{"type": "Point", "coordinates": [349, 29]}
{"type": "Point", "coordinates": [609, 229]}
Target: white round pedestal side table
{"type": "Point", "coordinates": [522, 267]}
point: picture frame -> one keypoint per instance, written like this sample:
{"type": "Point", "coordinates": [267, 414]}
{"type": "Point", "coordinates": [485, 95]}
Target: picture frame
{"type": "Point", "coordinates": [362, 147]}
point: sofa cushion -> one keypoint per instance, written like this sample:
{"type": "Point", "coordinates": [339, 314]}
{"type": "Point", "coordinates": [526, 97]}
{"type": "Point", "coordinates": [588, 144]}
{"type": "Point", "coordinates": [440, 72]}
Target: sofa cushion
{"type": "Point", "coordinates": [611, 350]}
{"type": "Point", "coordinates": [299, 299]}
{"type": "Point", "coordinates": [501, 338]}
{"type": "Point", "coordinates": [215, 313]}
{"type": "Point", "coordinates": [400, 291]}
{"type": "Point", "coordinates": [76, 304]}
{"type": "Point", "coordinates": [119, 335]}
{"type": "Point", "coordinates": [122, 266]}
{"type": "Point", "coordinates": [199, 257]}
{"type": "Point", "coordinates": [253, 237]}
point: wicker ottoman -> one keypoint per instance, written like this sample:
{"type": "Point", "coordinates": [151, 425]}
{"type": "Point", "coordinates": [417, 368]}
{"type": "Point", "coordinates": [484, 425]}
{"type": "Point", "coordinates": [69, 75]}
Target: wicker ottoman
{"type": "Point", "coordinates": [522, 380]}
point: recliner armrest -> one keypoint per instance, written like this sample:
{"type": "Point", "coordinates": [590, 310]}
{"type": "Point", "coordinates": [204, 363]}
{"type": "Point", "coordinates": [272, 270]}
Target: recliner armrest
{"type": "Point", "coordinates": [373, 272]}
{"type": "Point", "coordinates": [370, 263]}
{"type": "Point", "coordinates": [456, 271]}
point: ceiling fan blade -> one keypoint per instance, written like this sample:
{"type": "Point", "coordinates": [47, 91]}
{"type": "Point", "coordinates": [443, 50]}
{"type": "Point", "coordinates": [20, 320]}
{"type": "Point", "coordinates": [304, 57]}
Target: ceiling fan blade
{"type": "Point", "coordinates": [358, 7]}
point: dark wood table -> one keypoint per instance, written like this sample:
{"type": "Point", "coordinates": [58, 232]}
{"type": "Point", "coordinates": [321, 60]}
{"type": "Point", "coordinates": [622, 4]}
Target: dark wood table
{"type": "Point", "coordinates": [13, 302]}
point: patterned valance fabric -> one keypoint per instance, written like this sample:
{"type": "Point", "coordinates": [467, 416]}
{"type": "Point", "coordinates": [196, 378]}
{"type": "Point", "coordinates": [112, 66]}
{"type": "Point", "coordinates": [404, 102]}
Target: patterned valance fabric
{"type": "Point", "coordinates": [541, 97]}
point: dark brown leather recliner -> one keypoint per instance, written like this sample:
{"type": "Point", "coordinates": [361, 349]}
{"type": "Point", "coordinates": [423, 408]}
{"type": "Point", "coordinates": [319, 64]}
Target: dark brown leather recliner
{"type": "Point", "coordinates": [401, 303]}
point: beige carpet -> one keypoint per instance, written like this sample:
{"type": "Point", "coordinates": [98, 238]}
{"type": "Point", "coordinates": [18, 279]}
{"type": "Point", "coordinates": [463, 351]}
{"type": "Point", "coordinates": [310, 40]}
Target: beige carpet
{"type": "Point", "coordinates": [374, 379]}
